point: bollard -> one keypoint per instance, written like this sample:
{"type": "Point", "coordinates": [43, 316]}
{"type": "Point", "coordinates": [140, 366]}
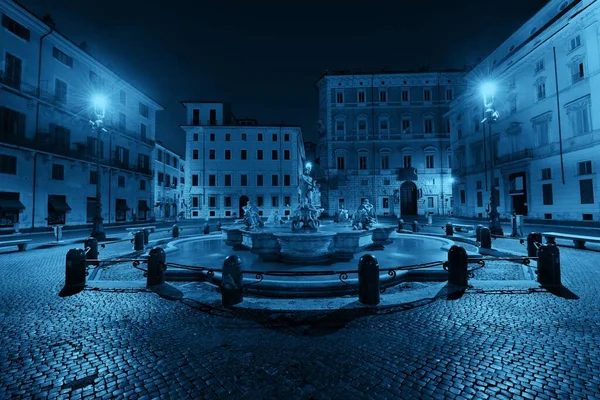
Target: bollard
{"type": "Point", "coordinates": [206, 229]}
{"type": "Point", "coordinates": [457, 266]}
{"type": "Point", "coordinates": [156, 267]}
{"type": "Point", "coordinates": [532, 238]}
{"type": "Point", "coordinates": [76, 270]}
{"type": "Point", "coordinates": [449, 229]}
{"type": "Point", "coordinates": [485, 241]}
{"type": "Point", "coordinates": [91, 244]}
{"type": "Point", "coordinates": [430, 219]}
{"type": "Point", "coordinates": [138, 241]}
{"type": "Point", "coordinates": [415, 226]}
{"type": "Point", "coordinates": [478, 232]}
{"type": "Point", "coordinates": [400, 225]}
{"type": "Point", "coordinates": [146, 233]}
{"type": "Point", "coordinates": [175, 231]}
{"type": "Point", "coordinates": [232, 283]}
{"type": "Point", "coordinates": [219, 225]}
{"type": "Point", "coordinates": [368, 280]}
{"type": "Point", "coordinates": [548, 265]}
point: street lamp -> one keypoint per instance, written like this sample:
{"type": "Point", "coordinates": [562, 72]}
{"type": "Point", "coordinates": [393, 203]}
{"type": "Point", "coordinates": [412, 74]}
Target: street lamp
{"type": "Point", "coordinates": [488, 91]}
{"type": "Point", "coordinates": [99, 104]}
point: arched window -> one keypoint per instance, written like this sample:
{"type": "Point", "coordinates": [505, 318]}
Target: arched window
{"type": "Point", "coordinates": [362, 126]}
{"type": "Point", "coordinates": [340, 127]}
{"type": "Point", "coordinates": [384, 126]}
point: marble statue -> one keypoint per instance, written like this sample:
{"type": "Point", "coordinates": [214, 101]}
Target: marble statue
{"type": "Point", "coordinates": [252, 219]}
{"type": "Point", "coordinates": [306, 217]}
{"type": "Point", "coordinates": [364, 217]}
{"type": "Point", "coordinates": [342, 215]}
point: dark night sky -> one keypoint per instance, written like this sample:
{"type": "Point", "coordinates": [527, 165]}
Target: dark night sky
{"type": "Point", "coordinates": [265, 58]}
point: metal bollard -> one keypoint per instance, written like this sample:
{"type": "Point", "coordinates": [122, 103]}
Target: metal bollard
{"type": "Point", "coordinates": [449, 229]}
{"type": "Point", "coordinates": [415, 226]}
{"type": "Point", "coordinates": [485, 241]}
{"type": "Point", "coordinates": [232, 283]}
{"type": "Point", "coordinates": [532, 238]}
{"type": "Point", "coordinates": [368, 280]}
{"type": "Point", "coordinates": [146, 233]}
{"type": "Point", "coordinates": [478, 232]}
{"type": "Point", "coordinates": [91, 244]}
{"type": "Point", "coordinates": [400, 225]}
{"type": "Point", "coordinates": [138, 241]}
{"type": "Point", "coordinates": [206, 229]}
{"type": "Point", "coordinates": [548, 265]}
{"type": "Point", "coordinates": [175, 231]}
{"type": "Point", "coordinates": [156, 267]}
{"type": "Point", "coordinates": [457, 266]}
{"type": "Point", "coordinates": [76, 270]}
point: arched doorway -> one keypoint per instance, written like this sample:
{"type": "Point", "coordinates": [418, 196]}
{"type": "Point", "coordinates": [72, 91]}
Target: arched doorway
{"type": "Point", "coordinates": [408, 198]}
{"type": "Point", "coordinates": [243, 203]}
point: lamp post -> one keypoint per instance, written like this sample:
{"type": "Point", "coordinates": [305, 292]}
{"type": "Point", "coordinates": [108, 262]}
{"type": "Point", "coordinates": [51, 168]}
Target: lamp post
{"type": "Point", "coordinates": [99, 104]}
{"type": "Point", "coordinates": [488, 91]}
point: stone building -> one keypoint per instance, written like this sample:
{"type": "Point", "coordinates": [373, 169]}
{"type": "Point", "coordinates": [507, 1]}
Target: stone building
{"type": "Point", "coordinates": [383, 136]}
{"type": "Point", "coordinates": [546, 143]}
{"type": "Point", "coordinates": [232, 161]}
{"type": "Point", "coordinates": [168, 182]}
{"type": "Point", "coordinates": [47, 147]}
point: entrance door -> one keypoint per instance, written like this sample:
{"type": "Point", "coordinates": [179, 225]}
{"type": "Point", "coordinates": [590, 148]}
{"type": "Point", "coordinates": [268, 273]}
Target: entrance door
{"type": "Point", "coordinates": [408, 198]}
{"type": "Point", "coordinates": [518, 192]}
{"type": "Point", "coordinates": [243, 203]}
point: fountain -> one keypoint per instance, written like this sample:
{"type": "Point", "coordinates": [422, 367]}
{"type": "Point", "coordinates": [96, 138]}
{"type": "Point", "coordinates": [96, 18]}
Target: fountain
{"type": "Point", "coordinates": [307, 241]}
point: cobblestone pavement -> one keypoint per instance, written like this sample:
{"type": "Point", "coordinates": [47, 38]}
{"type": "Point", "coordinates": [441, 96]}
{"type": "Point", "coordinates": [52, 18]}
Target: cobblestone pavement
{"type": "Point", "coordinates": [137, 345]}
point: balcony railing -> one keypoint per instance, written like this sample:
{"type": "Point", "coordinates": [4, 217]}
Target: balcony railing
{"type": "Point", "coordinates": [514, 156]}
{"type": "Point", "coordinates": [353, 136]}
{"type": "Point", "coordinates": [18, 85]}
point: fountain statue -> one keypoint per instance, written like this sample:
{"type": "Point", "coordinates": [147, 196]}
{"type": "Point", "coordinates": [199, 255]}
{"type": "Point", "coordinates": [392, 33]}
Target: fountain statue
{"type": "Point", "coordinates": [306, 216]}
{"type": "Point", "coordinates": [342, 216]}
{"type": "Point", "coordinates": [274, 218]}
{"type": "Point", "coordinates": [251, 218]}
{"type": "Point", "coordinates": [364, 217]}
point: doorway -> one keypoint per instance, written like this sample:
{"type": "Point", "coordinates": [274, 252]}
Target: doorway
{"type": "Point", "coordinates": [243, 203]}
{"type": "Point", "coordinates": [408, 198]}
{"type": "Point", "coordinates": [518, 192]}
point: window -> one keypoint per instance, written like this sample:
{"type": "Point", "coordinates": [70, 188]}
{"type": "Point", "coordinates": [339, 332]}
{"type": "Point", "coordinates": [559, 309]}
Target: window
{"type": "Point", "coordinates": [427, 95]}
{"type": "Point", "coordinates": [195, 180]}
{"type": "Point", "coordinates": [144, 110]}
{"type": "Point", "coordinates": [405, 96]}
{"type": "Point", "coordinates": [546, 174]}
{"type": "Point", "coordinates": [13, 68]}
{"type": "Point", "coordinates": [260, 201]}
{"type": "Point", "coordinates": [287, 181]}
{"type": "Point", "coordinates": [477, 152]}
{"type": "Point", "coordinates": [227, 180]}
{"type": "Point", "coordinates": [580, 120]}
{"type": "Point", "coordinates": [93, 177]}
{"type": "Point", "coordinates": [340, 127]}
{"type": "Point", "coordinates": [212, 201]}
{"type": "Point", "coordinates": [212, 137]}
{"type": "Point", "coordinates": [479, 199]}
{"type": "Point", "coordinates": [228, 137]}
{"type": "Point", "coordinates": [385, 161]}
{"type": "Point", "coordinates": [577, 72]}
{"type": "Point", "coordinates": [406, 125]}
{"type": "Point", "coordinates": [449, 94]}
{"type": "Point", "coordinates": [586, 191]}
{"type": "Point", "coordinates": [383, 95]}
{"type": "Point", "coordinates": [244, 154]}
{"type": "Point", "coordinates": [13, 26]}
{"type": "Point", "coordinates": [362, 162]}
{"type": "Point", "coordinates": [584, 168]}
{"type": "Point", "coordinates": [60, 91]}
{"type": "Point", "coordinates": [195, 201]}
{"type": "Point", "coordinates": [122, 122]}
{"type": "Point", "coordinates": [362, 126]}
{"type": "Point", "coordinates": [96, 80]}
{"type": "Point", "coordinates": [58, 172]}
{"type": "Point", "coordinates": [339, 97]}
{"type": "Point", "coordinates": [143, 132]}
{"type": "Point", "coordinates": [387, 181]}
{"type": "Point", "coordinates": [160, 177]}
{"type": "Point", "coordinates": [274, 180]}
{"type": "Point", "coordinates": [260, 137]}
{"type": "Point", "coordinates": [384, 125]}
{"type": "Point", "coordinates": [407, 161]}
{"type": "Point", "coordinates": [228, 154]}
{"type": "Point", "coordinates": [286, 154]}
{"type": "Point", "coordinates": [430, 202]}
{"type": "Point", "coordinates": [62, 57]}
{"type": "Point", "coordinates": [287, 201]}
{"type": "Point", "coordinates": [195, 154]}
{"type": "Point", "coordinates": [274, 137]}
{"type": "Point", "coordinates": [542, 132]}
{"type": "Point", "coordinates": [195, 138]}
{"type": "Point", "coordinates": [259, 180]}
{"type": "Point", "coordinates": [243, 180]}
{"type": "Point", "coordinates": [429, 161]}
{"type": "Point", "coordinates": [463, 197]}
{"type": "Point", "coordinates": [364, 182]}
{"type": "Point", "coordinates": [243, 137]}
{"type": "Point", "coordinates": [212, 154]}
{"type": "Point", "coordinates": [362, 97]}
{"type": "Point", "coordinates": [575, 42]}
{"type": "Point", "coordinates": [274, 155]}
{"type": "Point", "coordinates": [259, 154]}
{"type": "Point", "coordinates": [547, 199]}
{"type": "Point", "coordinates": [8, 164]}
{"type": "Point", "coordinates": [275, 201]}
{"type": "Point", "coordinates": [121, 181]}
{"type": "Point", "coordinates": [540, 91]}
{"type": "Point", "coordinates": [512, 105]}
{"type": "Point", "coordinates": [341, 162]}
{"type": "Point", "coordinates": [428, 125]}
{"type": "Point", "coordinates": [227, 201]}
{"type": "Point", "coordinates": [386, 202]}
{"type": "Point", "coordinates": [212, 180]}
{"type": "Point", "coordinates": [476, 124]}
{"type": "Point", "coordinates": [539, 66]}
{"type": "Point", "coordinates": [286, 137]}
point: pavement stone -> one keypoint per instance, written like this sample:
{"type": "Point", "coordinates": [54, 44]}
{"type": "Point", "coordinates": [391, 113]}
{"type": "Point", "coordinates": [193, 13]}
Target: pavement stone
{"type": "Point", "coordinates": [120, 345]}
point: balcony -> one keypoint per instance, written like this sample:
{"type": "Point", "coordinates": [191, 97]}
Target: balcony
{"type": "Point", "coordinates": [131, 167]}
{"type": "Point", "coordinates": [354, 136]}
{"type": "Point", "coordinates": [18, 85]}
{"type": "Point", "coordinates": [520, 155]}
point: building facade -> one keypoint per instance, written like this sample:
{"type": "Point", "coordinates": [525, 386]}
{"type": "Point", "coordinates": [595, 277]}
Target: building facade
{"type": "Point", "coordinates": [545, 146]}
{"type": "Point", "coordinates": [168, 183]}
{"type": "Point", "coordinates": [231, 162]}
{"type": "Point", "coordinates": [47, 147]}
{"type": "Point", "coordinates": [384, 137]}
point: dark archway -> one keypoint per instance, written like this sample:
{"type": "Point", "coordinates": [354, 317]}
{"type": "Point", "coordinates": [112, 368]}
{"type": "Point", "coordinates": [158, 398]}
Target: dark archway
{"type": "Point", "coordinates": [408, 198]}
{"type": "Point", "coordinates": [243, 203]}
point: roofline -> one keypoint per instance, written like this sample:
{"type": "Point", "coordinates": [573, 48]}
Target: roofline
{"type": "Point", "coordinates": [184, 102]}
{"type": "Point", "coordinates": [244, 126]}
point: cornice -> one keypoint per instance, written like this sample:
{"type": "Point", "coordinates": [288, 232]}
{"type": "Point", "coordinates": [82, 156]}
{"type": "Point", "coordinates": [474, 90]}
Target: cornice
{"type": "Point", "coordinates": [392, 80]}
